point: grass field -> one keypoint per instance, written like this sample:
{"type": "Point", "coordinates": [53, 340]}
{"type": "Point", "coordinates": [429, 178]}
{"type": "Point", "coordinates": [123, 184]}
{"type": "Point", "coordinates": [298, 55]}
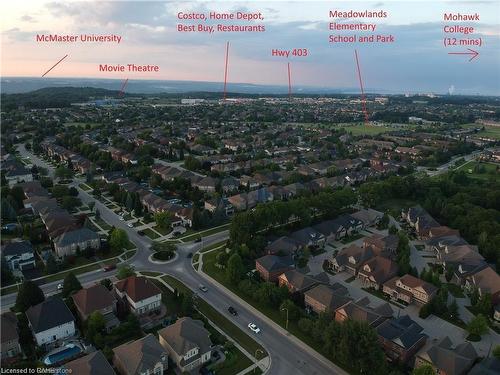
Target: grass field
{"type": "Point", "coordinates": [489, 131]}
{"type": "Point", "coordinates": [151, 234]}
{"type": "Point", "coordinates": [480, 171]}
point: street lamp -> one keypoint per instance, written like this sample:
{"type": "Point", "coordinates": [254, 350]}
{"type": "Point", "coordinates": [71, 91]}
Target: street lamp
{"type": "Point", "coordinates": [286, 308]}
{"type": "Point", "coordinates": [256, 360]}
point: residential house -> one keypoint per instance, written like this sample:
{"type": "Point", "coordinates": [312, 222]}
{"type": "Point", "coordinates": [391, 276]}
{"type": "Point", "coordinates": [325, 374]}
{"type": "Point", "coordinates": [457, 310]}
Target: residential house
{"type": "Point", "coordinates": [485, 281]}
{"type": "Point", "coordinates": [297, 282]}
{"type": "Point", "coordinates": [326, 298]}
{"type": "Point", "coordinates": [446, 359]}
{"type": "Point", "coordinates": [409, 289]}
{"type": "Point", "coordinates": [96, 298]}
{"type": "Point", "coordinates": [139, 295]}
{"type": "Point", "coordinates": [488, 366]}
{"type": "Point", "coordinates": [420, 219]}
{"type": "Point", "coordinates": [92, 364]}
{"type": "Point", "coordinates": [401, 338]}
{"type": "Point", "coordinates": [270, 267]}
{"type": "Point", "coordinates": [284, 246]}
{"type": "Point", "coordinates": [376, 271]}
{"type": "Point", "coordinates": [17, 174]}
{"type": "Point", "coordinates": [50, 321]}
{"type": "Point", "coordinates": [19, 255]}
{"type": "Point", "coordinates": [140, 357]}
{"type": "Point", "coordinates": [219, 205]}
{"type": "Point", "coordinates": [362, 311]}
{"type": "Point", "coordinates": [9, 336]}
{"type": "Point", "coordinates": [82, 238]}
{"type": "Point", "coordinates": [351, 259]}
{"type": "Point", "coordinates": [308, 237]}
{"type": "Point", "coordinates": [187, 342]}
{"type": "Point", "coordinates": [229, 184]}
{"type": "Point", "coordinates": [207, 184]}
{"type": "Point", "coordinates": [383, 245]}
{"type": "Point", "coordinates": [368, 216]}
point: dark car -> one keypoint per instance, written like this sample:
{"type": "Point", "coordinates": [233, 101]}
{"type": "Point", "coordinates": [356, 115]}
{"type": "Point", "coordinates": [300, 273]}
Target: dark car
{"type": "Point", "coordinates": [198, 239]}
{"type": "Point", "coordinates": [140, 233]}
{"type": "Point", "coordinates": [110, 267]}
{"type": "Point", "coordinates": [232, 311]}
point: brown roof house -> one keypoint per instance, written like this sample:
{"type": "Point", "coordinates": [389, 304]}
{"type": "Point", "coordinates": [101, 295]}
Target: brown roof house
{"type": "Point", "coordinates": [96, 298]}
{"type": "Point", "coordinates": [143, 356]}
{"type": "Point", "coordinates": [446, 359]}
{"type": "Point", "coordinates": [361, 311]}
{"type": "Point", "coordinates": [284, 246]}
{"type": "Point", "coordinates": [187, 342]}
{"type": "Point", "coordinates": [486, 281]}
{"type": "Point", "coordinates": [270, 267]}
{"type": "Point", "coordinates": [297, 282]}
{"type": "Point", "coordinates": [376, 271]}
{"type": "Point", "coordinates": [10, 336]}
{"type": "Point", "coordinates": [140, 295]}
{"type": "Point", "coordinates": [409, 289]}
{"type": "Point", "coordinates": [351, 259]}
{"type": "Point", "coordinates": [92, 364]}
{"type": "Point", "coordinates": [383, 245]}
{"type": "Point", "coordinates": [325, 298]}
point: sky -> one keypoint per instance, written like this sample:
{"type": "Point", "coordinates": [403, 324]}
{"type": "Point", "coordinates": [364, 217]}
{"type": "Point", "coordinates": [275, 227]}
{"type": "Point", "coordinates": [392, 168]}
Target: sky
{"type": "Point", "coordinates": [417, 61]}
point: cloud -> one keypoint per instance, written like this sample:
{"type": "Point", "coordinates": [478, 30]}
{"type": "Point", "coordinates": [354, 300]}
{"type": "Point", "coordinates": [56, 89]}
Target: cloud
{"type": "Point", "coordinates": [27, 18]}
{"type": "Point", "coordinates": [18, 35]}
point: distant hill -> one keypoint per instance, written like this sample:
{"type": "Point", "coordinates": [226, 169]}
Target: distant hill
{"type": "Point", "coordinates": [54, 97]}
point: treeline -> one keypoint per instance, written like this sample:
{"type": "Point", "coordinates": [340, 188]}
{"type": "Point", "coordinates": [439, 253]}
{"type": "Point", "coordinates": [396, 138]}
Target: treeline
{"type": "Point", "coordinates": [456, 200]}
{"type": "Point", "coordinates": [53, 97]}
{"type": "Point", "coordinates": [246, 226]}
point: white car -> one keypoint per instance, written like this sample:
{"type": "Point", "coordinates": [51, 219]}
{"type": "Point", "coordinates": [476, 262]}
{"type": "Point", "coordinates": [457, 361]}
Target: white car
{"type": "Point", "coordinates": [59, 286]}
{"type": "Point", "coordinates": [253, 328]}
{"type": "Point", "coordinates": [122, 218]}
{"type": "Point", "coordinates": [130, 225]}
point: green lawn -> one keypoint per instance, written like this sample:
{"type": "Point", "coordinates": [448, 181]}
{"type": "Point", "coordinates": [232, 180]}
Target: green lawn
{"type": "Point", "coordinates": [163, 231]}
{"type": "Point", "coordinates": [151, 234]}
{"type": "Point", "coordinates": [481, 170]}
{"type": "Point", "coordinates": [130, 246]}
{"type": "Point", "coordinates": [235, 362]}
{"type": "Point", "coordinates": [489, 131]}
{"type": "Point", "coordinates": [394, 206]}
{"type": "Point", "coordinates": [85, 187]}
{"type": "Point", "coordinates": [204, 233]}
{"type": "Point", "coordinates": [62, 275]}
{"type": "Point", "coordinates": [213, 246]}
{"type": "Point", "coordinates": [129, 254]}
{"type": "Point", "coordinates": [102, 224]}
{"type": "Point", "coordinates": [151, 273]}
{"type": "Point", "coordinates": [367, 130]}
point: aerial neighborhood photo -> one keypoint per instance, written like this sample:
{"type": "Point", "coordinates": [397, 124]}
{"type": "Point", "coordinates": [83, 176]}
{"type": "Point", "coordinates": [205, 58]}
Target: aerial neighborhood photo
{"type": "Point", "coordinates": [279, 188]}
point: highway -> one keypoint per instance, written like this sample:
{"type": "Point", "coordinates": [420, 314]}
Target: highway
{"type": "Point", "coordinates": [288, 355]}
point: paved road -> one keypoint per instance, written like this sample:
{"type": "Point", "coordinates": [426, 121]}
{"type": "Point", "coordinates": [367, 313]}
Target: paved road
{"type": "Point", "coordinates": [287, 356]}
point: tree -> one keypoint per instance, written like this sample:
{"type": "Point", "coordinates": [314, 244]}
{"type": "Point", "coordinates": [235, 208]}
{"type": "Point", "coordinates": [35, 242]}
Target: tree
{"type": "Point", "coordinates": [51, 265]}
{"type": "Point", "coordinates": [97, 214]}
{"type": "Point", "coordinates": [96, 324]}
{"type": "Point", "coordinates": [496, 351]}
{"type": "Point", "coordinates": [478, 325]}
{"type": "Point", "coordinates": [118, 240]}
{"type": "Point", "coordinates": [63, 172]}
{"type": "Point", "coordinates": [222, 258]}
{"type": "Point", "coordinates": [29, 295]}
{"type": "Point", "coordinates": [235, 268]}
{"type": "Point", "coordinates": [107, 283]}
{"type": "Point", "coordinates": [187, 307]}
{"type": "Point", "coordinates": [484, 305]}
{"type": "Point", "coordinates": [424, 370]}
{"type": "Point", "coordinates": [70, 285]}
{"type": "Point", "coordinates": [125, 271]}
{"type": "Point", "coordinates": [163, 219]}
{"type": "Point", "coordinates": [293, 310]}
{"type": "Point", "coordinates": [70, 203]}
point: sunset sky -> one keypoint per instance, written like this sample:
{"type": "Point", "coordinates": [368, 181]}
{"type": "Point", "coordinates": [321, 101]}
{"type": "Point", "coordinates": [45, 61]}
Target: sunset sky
{"type": "Point", "coordinates": [416, 61]}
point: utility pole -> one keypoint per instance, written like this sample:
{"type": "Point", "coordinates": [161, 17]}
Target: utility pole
{"type": "Point", "coordinates": [286, 308]}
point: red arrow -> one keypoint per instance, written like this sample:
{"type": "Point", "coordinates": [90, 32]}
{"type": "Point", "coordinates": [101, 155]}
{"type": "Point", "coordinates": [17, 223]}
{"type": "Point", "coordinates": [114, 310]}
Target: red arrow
{"type": "Point", "coordinates": [472, 52]}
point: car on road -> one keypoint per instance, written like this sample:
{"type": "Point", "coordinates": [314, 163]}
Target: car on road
{"type": "Point", "coordinates": [59, 286]}
{"type": "Point", "coordinates": [122, 218]}
{"type": "Point", "coordinates": [130, 225]}
{"type": "Point", "coordinates": [203, 288]}
{"type": "Point", "coordinates": [109, 267]}
{"type": "Point", "coordinates": [232, 311]}
{"type": "Point", "coordinates": [253, 328]}
{"type": "Point", "coordinates": [198, 239]}
{"type": "Point", "coordinates": [141, 233]}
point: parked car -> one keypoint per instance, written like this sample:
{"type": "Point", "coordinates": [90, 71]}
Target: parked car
{"type": "Point", "coordinates": [130, 225]}
{"type": "Point", "coordinates": [122, 218]}
{"type": "Point", "coordinates": [253, 328]}
{"type": "Point", "coordinates": [59, 286]}
{"type": "Point", "coordinates": [215, 354]}
{"type": "Point", "coordinates": [232, 310]}
{"type": "Point", "coordinates": [141, 233]}
{"type": "Point", "coordinates": [109, 267]}
{"type": "Point", "coordinates": [198, 239]}
{"type": "Point", "coordinates": [203, 288]}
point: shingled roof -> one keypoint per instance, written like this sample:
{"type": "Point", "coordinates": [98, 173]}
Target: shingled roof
{"type": "Point", "coordinates": [48, 314]}
{"type": "Point", "coordinates": [137, 288]}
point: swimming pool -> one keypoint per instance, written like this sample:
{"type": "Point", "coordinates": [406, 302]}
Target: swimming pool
{"type": "Point", "coordinates": [70, 350]}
